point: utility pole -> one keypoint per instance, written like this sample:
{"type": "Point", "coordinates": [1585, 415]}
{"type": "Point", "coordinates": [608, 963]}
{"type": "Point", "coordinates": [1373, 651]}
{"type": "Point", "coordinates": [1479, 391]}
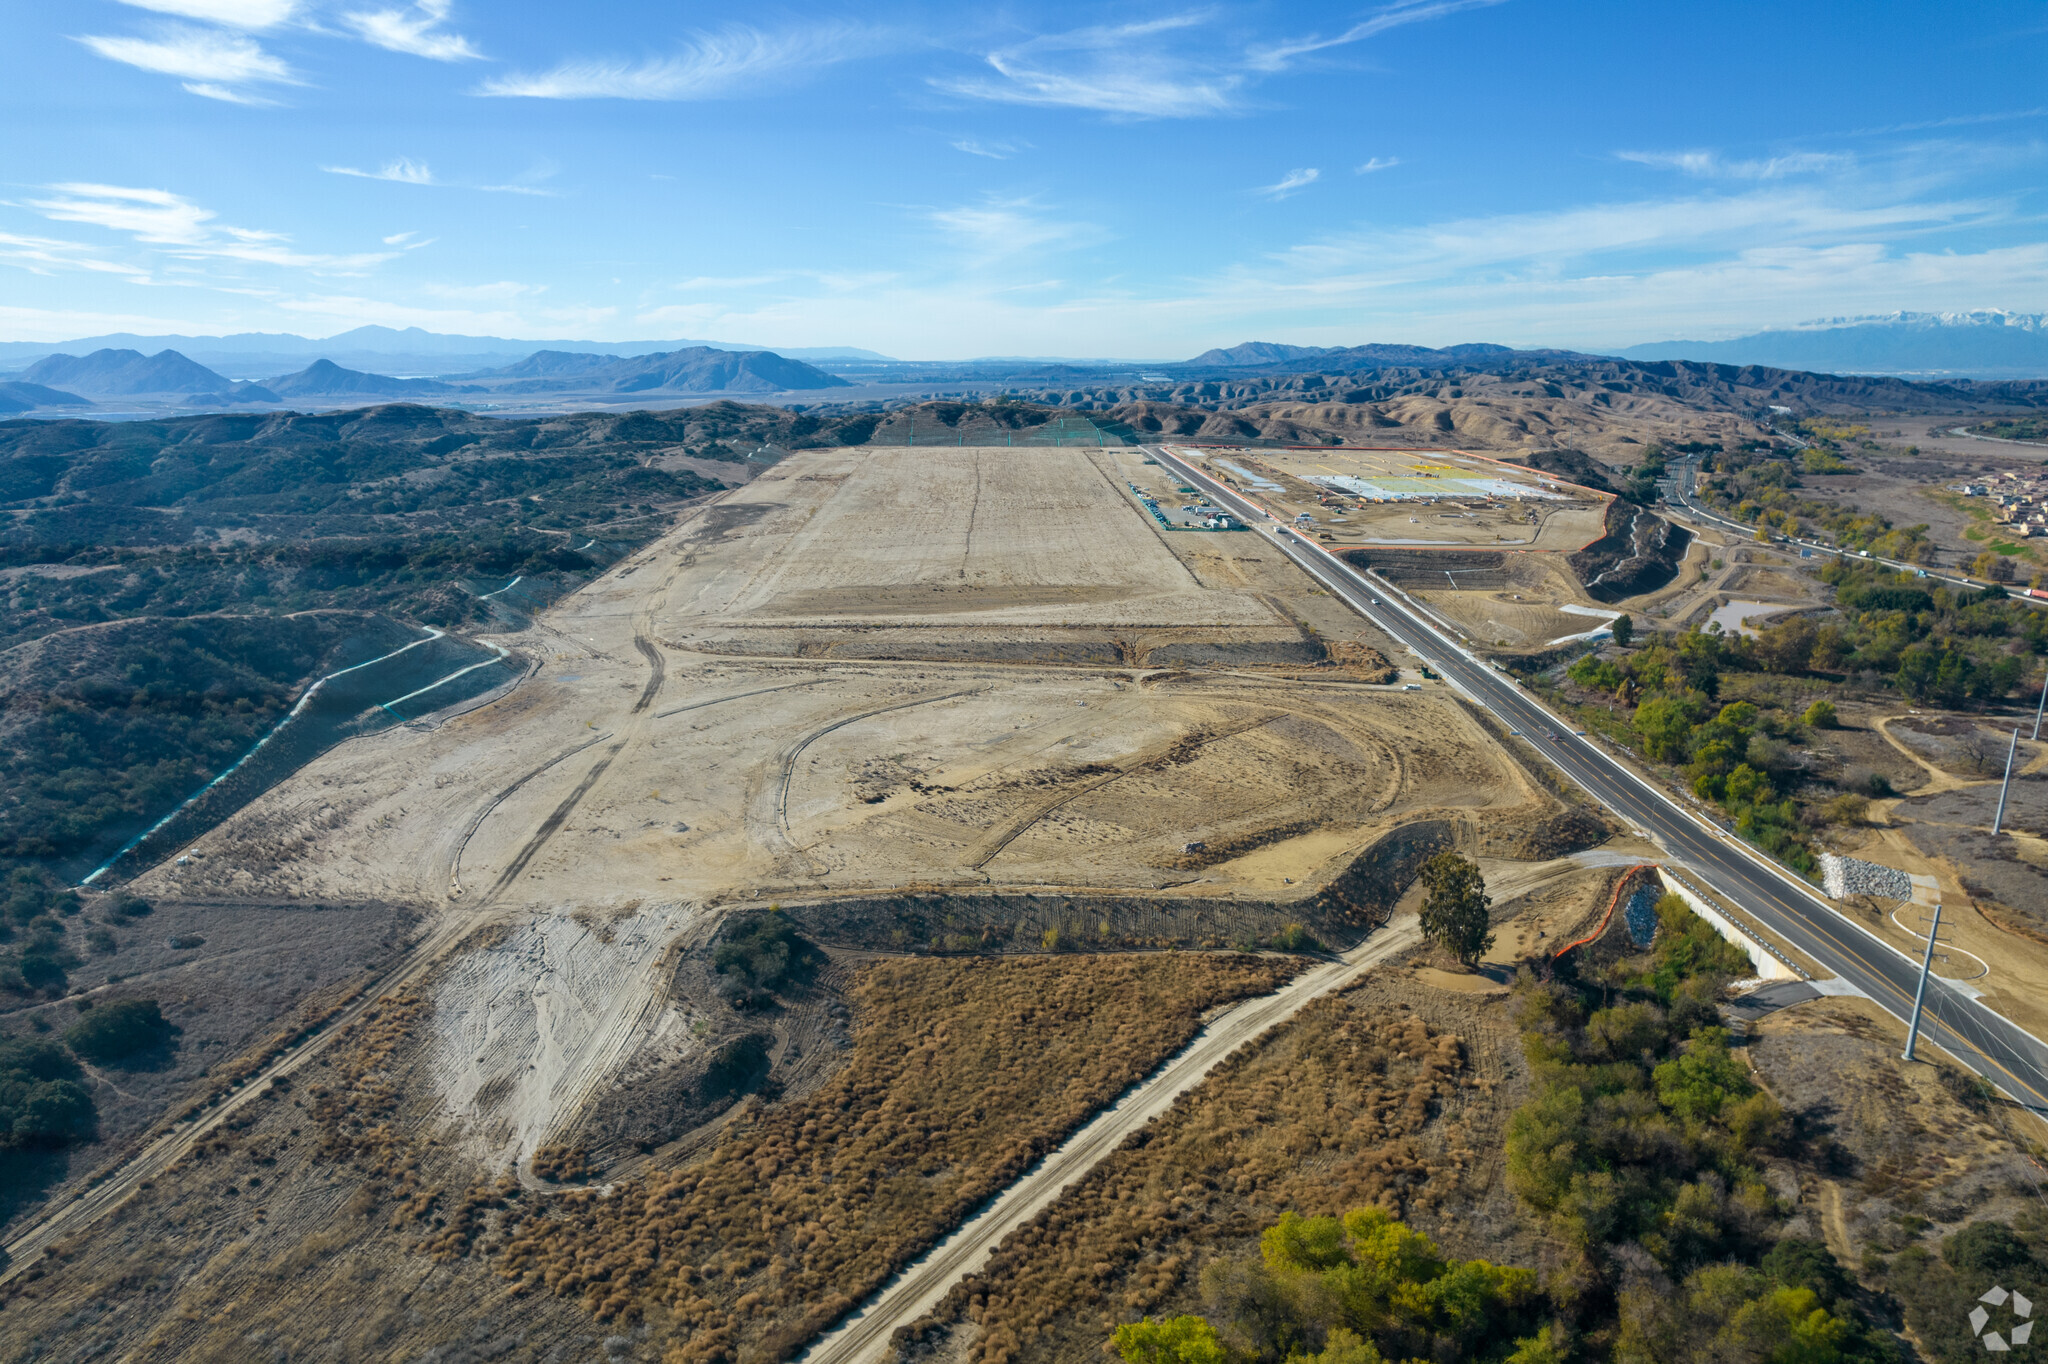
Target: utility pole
{"type": "Point", "coordinates": [2038, 704]}
{"type": "Point", "coordinates": [1926, 965]}
{"type": "Point", "coordinates": [1998, 819]}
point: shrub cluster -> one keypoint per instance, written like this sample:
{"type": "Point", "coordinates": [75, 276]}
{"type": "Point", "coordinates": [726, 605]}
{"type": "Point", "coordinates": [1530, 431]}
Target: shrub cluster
{"type": "Point", "coordinates": [761, 954]}
{"type": "Point", "coordinates": [964, 1072]}
{"type": "Point", "coordinates": [1940, 1292]}
{"type": "Point", "coordinates": [42, 1099]}
{"type": "Point", "coordinates": [1736, 755]}
{"type": "Point", "coordinates": [1359, 1290]}
{"type": "Point", "coordinates": [117, 1031]}
{"type": "Point", "coordinates": [1757, 486]}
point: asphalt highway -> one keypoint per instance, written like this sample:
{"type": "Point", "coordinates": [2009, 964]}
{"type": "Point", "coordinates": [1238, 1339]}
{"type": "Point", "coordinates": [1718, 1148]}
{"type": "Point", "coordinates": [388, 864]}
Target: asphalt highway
{"type": "Point", "coordinates": [2008, 1056]}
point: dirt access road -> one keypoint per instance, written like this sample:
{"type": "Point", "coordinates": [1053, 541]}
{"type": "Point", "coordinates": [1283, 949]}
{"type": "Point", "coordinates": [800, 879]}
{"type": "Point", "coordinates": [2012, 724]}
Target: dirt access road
{"type": "Point", "coordinates": [918, 1289]}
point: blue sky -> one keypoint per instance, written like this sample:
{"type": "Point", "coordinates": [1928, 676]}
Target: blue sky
{"type": "Point", "coordinates": [945, 181]}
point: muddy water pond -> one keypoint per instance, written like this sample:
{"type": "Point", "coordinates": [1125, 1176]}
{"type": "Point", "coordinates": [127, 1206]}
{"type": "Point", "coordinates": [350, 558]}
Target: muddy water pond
{"type": "Point", "coordinates": [1734, 616]}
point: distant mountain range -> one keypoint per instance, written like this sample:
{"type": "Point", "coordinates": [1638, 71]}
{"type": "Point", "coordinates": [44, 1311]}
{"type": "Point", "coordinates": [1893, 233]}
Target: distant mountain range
{"type": "Point", "coordinates": [1978, 345]}
{"type": "Point", "coordinates": [1272, 355]}
{"type": "Point", "coordinates": [121, 373]}
{"type": "Point", "coordinates": [411, 350]}
{"type": "Point", "coordinates": [325, 379]}
{"type": "Point", "coordinates": [111, 373]}
{"type": "Point", "coordinates": [698, 369]}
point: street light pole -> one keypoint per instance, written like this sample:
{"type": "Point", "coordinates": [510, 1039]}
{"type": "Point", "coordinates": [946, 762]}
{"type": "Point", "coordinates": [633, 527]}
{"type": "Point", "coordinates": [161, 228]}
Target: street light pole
{"type": "Point", "coordinates": [1920, 994]}
{"type": "Point", "coordinates": [1998, 819]}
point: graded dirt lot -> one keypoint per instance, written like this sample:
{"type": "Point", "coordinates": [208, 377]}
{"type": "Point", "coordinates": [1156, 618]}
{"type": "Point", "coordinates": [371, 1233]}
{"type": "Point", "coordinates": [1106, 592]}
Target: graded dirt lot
{"type": "Point", "coordinates": [693, 739]}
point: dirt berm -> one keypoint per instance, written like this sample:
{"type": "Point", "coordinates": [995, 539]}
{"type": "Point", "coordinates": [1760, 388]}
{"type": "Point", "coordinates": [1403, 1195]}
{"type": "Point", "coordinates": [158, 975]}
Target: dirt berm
{"type": "Point", "coordinates": [1338, 915]}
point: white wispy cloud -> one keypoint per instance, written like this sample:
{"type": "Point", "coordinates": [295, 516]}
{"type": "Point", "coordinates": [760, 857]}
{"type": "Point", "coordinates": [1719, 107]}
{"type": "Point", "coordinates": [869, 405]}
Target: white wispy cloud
{"type": "Point", "coordinates": [49, 256]}
{"type": "Point", "coordinates": [212, 63]}
{"type": "Point", "coordinates": [1121, 69]}
{"type": "Point", "coordinates": [403, 170]}
{"type": "Point", "coordinates": [1377, 163]}
{"type": "Point", "coordinates": [996, 228]}
{"type": "Point", "coordinates": [417, 29]}
{"type": "Point", "coordinates": [730, 61]}
{"type": "Point", "coordinates": [499, 291]}
{"type": "Point", "coordinates": [1708, 165]}
{"type": "Point", "coordinates": [1291, 183]}
{"type": "Point", "coordinates": [709, 283]}
{"type": "Point", "coordinates": [1787, 216]}
{"type": "Point", "coordinates": [183, 229]}
{"type": "Point", "coordinates": [253, 15]}
{"type": "Point", "coordinates": [1279, 56]}
{"type": "Point", "coordinates": [994, 151]}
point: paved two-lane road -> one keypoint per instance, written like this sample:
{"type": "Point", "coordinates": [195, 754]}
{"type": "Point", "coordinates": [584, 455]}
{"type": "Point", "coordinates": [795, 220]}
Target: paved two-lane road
{"type": "Point", "coordinates": [1993, 1046]}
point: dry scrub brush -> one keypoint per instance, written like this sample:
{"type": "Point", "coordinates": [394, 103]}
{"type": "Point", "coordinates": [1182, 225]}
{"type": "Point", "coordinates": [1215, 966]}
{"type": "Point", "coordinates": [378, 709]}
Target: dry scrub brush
{"type": "Point", "coordinates": [963, 1073]}
{"type": "Point", "coordinates": [1322, 1118]}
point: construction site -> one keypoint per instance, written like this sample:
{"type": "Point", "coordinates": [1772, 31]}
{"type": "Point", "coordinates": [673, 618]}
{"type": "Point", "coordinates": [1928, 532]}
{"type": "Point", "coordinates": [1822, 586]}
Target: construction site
{"type": "Point", "coordinates": [833, 861]}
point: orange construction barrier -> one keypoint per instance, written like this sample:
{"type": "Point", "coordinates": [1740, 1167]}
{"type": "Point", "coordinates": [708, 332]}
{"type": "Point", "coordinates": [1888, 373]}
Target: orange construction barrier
{"type": "Point", "coordinates": [1608, 917]}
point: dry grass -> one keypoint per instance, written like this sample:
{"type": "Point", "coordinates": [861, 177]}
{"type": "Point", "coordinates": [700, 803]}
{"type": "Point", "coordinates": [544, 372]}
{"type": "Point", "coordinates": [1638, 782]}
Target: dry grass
{"type": "Point", "coordinates": [1328, 1115]}
{"type": "Point", "coordinates": [964, 1072]}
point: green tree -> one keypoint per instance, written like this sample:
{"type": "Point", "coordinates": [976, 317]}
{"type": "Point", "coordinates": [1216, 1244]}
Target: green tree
{"type": "Point", "coordinates": [114, 1032]}
{"type": "Point", "coordinates": [42, 1102]}
{"type": "Point", "coordinates": [1624, 630]}
{"type": "Point", "coordinates": [1820, 715]}
{"type": "Point", "coordinates": [1454, 912]}
{"type": "Point", "coordinates": [1175, 1340]}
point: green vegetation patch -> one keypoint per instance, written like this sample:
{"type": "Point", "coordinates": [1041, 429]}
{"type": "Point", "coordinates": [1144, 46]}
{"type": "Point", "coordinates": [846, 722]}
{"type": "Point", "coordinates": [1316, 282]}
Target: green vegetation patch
{"type": "Point", "coordinates": [1356, 1290]}
{"type": "Point", "coordinates": [117, 1032]}
{"type": "Point", "coordinates": [1639, 1151]}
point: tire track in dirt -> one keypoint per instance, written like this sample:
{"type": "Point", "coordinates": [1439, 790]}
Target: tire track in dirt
{"type": "Point", "coordinates": [156, 1155]}
{"type": "Point", "coordinates": [553, 823]}
{"type": "Point", "coordinates": [476, 821]}
{"type": "Point", "coordinates": [789, 761]}
{"type": "Point", "coordinates": [655, 662]}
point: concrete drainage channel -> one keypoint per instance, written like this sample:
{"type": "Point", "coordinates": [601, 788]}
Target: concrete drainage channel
{"type": "Point", "coordinates": [921, 1285]}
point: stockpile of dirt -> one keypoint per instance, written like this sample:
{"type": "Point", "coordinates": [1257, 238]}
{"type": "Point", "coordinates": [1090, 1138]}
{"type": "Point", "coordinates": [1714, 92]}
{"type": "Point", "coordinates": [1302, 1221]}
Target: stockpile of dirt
{"type": "Point", "coordinates": [1567, 830]}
